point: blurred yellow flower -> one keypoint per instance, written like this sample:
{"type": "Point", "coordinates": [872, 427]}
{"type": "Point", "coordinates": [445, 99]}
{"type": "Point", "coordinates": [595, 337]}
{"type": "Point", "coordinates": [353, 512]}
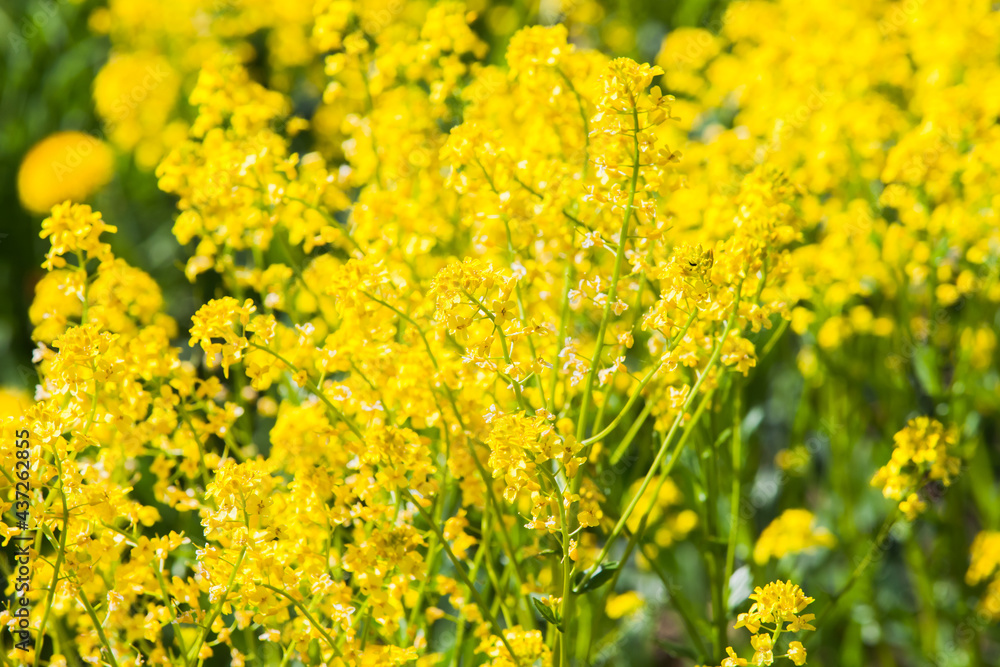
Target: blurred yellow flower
{"type": "Point", "coordinates": [793, 460]}
{"type": "Point", "coordinates": [985, 566]}
{"type": "Point", "coordinates": [791, 532]}
{"type": "Point", "coordinates": [64, 165]}
{"type": "Point", "coordinates": [924, 451]}
{"type": "Point", "coordinates": [623, 605]}
{"type": "Point", "coordinates": [135, 94]}
{"type": "Point", "coordinates": [13, 402]}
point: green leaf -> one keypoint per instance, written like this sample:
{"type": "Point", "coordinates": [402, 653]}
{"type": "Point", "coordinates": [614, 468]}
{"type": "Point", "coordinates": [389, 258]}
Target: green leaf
{"type": "Point", "coordinates": [547, 613]}
{"type": "Point", "coordinates": [980, 472]}
{"type": "Point", "coordinates": [926, 369]}
{"type": "Point", "coordinates": [723, 436]}
{"type": "Point", "coordinates": [601, 576]}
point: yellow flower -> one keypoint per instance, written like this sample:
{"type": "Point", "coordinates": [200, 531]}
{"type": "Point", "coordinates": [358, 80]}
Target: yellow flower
{"type": "Point", "coordinates": [529, 648]}
{"type": "Point", "coordinates": [797, 653]}
{"type": "Point", "coordinates": [791, 532]}
{"type": "Point", "coordinates": [985, 566]}
{"type": "Point", "coordinates": [13, 402]}
{"type": "Point", "coordinates": [793, 460]}
{"type": "Point", "coordinates": [923, 451]}
{"type": "Point", "coordinates": [660, 505]}
{"type": "Point", "coordinates": [135, 94]}
{"type": "Point", "coordinates": [775, 604]}
{"type": "Point", "coordinates": [537, 47]}
{"type": "Point", "coordinates": [215, 320]}
{"type": "Point", "coordinates": [479, 280]}
{"type": "Point", "coordinates": [63, 166]}
{"type": "Point", "coordinates": [622, 605]}
{"type": "Point", "coordinates": [75, 229]}
{"type": "Point", "coordinates": [763, 655]}
{"type": "Point", "coordinates": [733, 660]}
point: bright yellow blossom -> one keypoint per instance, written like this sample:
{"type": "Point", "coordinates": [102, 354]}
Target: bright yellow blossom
{"type": "Point", "coordinates": [63, 166]}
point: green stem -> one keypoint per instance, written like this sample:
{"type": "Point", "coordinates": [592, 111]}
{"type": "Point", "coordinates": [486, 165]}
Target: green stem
{"type": "Point", "coordinates": [523, 315]}
{"type": "Point", "coordinates": [311, 386]}
{"type": "Point", "coordinates": [305, 612]}
{"type": "Point", "coordinates": [167, 602]}
{"type": "Point", "coordinates": [678, 602]}
{"type": "Point", "coordinates": [409, 319]}
{"type": "Point", "coordinates": [638, 390]}
{"type": "Point", "coordinates": [505, 539]}
{"type": "Point", "coordinates": [98, 627]}
{"type": "Point", "coordinates": [563, 323]}
{"type": "Point", "coordinates": [586, 120]}
{"type": "Point", "coordinates": [490, 570]}
{"type": "Point", "coordinates": [773, 340]}
{"type": "Point", "coordinates": [503, 345]}
{"type": "Point", "coordinates": [595, 359]}
{"type": "Point", "coordinates": [55, 569]}
{"type": "Point", "coordinates": [460, 621]}
{"type": "Point", "coordinates": [734, 499]}
{"type": "Point", "coordinates": [665, 475]}
{"type": "Point", "coordinates": [876, 545]}
{"type": "Point", "coordinates": [483, 607]}
{"type": "Point", "coordinates": [201, 450]}
{"type": "Point", "coordinates": [633, 430]}
{"type": "Point", "coordinates": [216, 610]}
{"type": "Point", "coordinates": [666, 441]}
{"type": "Point", "coordinates": [927, 617]}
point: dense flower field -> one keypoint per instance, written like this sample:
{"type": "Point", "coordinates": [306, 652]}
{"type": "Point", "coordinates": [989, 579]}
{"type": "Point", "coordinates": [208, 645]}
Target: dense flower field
{"type": "Point", "coordinates": [533, 358]}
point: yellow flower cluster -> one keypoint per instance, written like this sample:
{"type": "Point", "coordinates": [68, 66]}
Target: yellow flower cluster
{"type": "Point", "coordinates": [790, 533]}
{"type": "Point", "coordinates": [215, 320]}
{"type": "Point", "coordinates": [75, 230]}
{"type": "Point", "coordinates": [895, 182]}
{"type": "Point", "coordinates": [923, 452]}
{"type": "Point", "coordinates": [985, 566]}
{"type": "Point", "coordinates": [777, 604]}
{"type": "Point", "coordinates": [158, 52]}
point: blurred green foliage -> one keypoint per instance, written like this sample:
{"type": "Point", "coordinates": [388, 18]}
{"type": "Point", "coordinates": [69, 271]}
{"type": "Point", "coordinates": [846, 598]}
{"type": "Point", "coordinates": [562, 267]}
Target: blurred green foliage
{"type": "Point", "coordinates": [48, 59]}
